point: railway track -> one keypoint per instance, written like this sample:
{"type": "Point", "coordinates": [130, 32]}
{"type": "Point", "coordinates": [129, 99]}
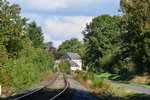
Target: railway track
{"type": "Point", "coordinates": [54, 90]}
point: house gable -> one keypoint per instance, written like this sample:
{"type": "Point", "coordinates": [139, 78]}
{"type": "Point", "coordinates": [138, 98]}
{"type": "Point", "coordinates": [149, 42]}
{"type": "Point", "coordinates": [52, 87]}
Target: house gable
{"type": "Point", "coordinates": [70, 56]}
{"type": "Point", "coordinates": [74, 60]}
{"type": "Point", "coordinates": [65, 57]}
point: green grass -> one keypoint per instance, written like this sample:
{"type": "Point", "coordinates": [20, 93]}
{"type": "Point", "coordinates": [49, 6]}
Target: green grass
{"type": "Point", "coordinates": [97, 83]}
{"type": "Point", "coordinates": [120, 78]}
{"type": "Point", "coordinates": [138, 84]}
{"type": "Point", "coordinates": [122, 93]}
{"type": "Point", "coordinates": [103, 76]}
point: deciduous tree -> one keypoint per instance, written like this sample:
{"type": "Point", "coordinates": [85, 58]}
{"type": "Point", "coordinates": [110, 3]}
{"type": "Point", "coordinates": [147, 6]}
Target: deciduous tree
{"type": "Point", "coordinates": [101, 36]}
{"type": "Point", "coordinates": [136, 21]}
{"type": "Point", "coordinates": [72, 45]}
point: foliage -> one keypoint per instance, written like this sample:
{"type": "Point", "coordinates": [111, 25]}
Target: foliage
{"type": "Point", "coordinates": [101, 36]}
{"type": "Point", "coordinates": [97, 83]}
{"type": "Point", "coordinates": [103, 76]}
{"type": "Point", "coordinates": [35, 35]}
{"type": "Point", "coordinates": [136, 38]}
{"type": "Point", "coordinates": [11, 27]}
{"type": "Point", "coordinates": [30, 67]}
{"type": "Point", "coordinates": [64, 66]}
{"type": "Point", "coordinates": [23, 59]}
{"type": "Point", "coordinates": [4, 77]}
{"type": "Point", "coordinates": [104, 90]}
{"type": "Point", "coordinates": [128, 79]}
{"type": "Point", "coordinates": [72, 45]}
{"type": "Point", "coordinates": [120, 44]}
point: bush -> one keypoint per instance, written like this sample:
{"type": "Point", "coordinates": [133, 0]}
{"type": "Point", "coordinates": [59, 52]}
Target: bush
{"type": "Point", "coordinates": [4, 77]}
{"type": "Point", "coordinates": [97, 83]}
{"type": "Point", "coordinates": [64, 66]}
{"type": "Point", "coordinates": [29, 68]}
{"type": "Point", "coordinates": [88, 76]}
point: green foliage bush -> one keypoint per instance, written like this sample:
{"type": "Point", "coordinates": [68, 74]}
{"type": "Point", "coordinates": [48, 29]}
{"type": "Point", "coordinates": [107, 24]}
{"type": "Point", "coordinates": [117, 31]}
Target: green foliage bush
{"type": "Point", "coordinates": [84, 75]}
{"type": "Point", "coordinates": [4, 77]}
{"type": "Point", "coordinates": [97, 83]}
{"type": "Point", "coordinates": [88, 76]}
{"type": "Point", "coordinates": [30, 67]}
{"type": "Point", "coordinates": [64, 66]}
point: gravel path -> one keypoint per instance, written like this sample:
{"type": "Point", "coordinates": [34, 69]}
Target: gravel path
{"type": "Point", "coordinates": [80, 93]}
{"type": "Point", "coordinates": [134, 87]}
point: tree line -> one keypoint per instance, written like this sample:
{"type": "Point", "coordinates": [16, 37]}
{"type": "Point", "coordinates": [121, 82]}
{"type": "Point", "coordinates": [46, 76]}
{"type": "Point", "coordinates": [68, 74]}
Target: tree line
{"type": "Point", "coordinates": [117, 44]}
{"type": "Point", "coordinates": [23, 58]}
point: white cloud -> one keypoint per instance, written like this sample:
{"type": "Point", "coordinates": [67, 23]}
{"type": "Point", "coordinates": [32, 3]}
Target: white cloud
{"type": "Point", "coordinates": [60, 28]}
{"type": "Point", "coordinates": [32, 16]}
{"type": "Point", "coordinates": [56, 43]}
{"type": "Point", "coordinates": [47, 38]}
{"type": "Point", "coordinates": [85, 2]}
{"type": "Point", "coordinates": [66, 27]}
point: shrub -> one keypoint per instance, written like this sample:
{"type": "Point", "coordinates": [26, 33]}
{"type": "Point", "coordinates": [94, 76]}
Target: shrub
{"type": "Point", "coordinates": [64, 66]}
{"type": "Point", "coordinates": [4, 77]}
{"type": "Point", "coordinates": [97, 83]}
{"type": "Point", "coordinates": [88, 76]}
{"type": "Point", "coordinates": [29, 68]}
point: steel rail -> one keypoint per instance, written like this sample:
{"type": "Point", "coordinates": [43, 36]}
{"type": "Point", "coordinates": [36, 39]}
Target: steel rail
{"type": "Point", "coordinates": [67, 85]}
{"type": "Point", "coordinates": [51, 82]}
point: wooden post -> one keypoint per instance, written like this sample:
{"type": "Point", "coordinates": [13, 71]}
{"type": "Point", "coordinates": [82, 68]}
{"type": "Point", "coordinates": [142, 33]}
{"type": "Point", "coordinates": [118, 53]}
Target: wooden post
{"type": "Point", "coordinates": [0, 90]}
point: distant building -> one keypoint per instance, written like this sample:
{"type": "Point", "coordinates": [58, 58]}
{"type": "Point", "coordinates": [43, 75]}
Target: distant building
{"type": "Point", "coordinates": [74, 60]}
{"type": "Point", "coordinates": [51, 49]}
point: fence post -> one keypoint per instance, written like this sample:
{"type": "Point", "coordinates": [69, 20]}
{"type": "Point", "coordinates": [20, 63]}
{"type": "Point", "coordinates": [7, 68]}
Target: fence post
{"type": "Point", "coordinates": [0, 90]}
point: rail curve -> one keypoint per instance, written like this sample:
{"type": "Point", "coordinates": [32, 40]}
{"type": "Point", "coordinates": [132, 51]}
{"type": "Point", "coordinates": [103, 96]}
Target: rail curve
{"type": "Point", "coordinates": [49, 84]}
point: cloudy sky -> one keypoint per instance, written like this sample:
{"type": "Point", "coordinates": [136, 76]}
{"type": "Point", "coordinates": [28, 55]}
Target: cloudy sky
{"type": "Point", "coordinates": [65, 19]}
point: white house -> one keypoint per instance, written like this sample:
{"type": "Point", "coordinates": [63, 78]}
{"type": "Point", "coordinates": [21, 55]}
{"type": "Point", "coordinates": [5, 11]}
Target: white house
{"type": "Point", "coordinates": [74, 60]}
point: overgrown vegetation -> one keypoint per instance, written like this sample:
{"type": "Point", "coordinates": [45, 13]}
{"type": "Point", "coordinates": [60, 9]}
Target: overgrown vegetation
{"type": "Point", "coordinates": [23, 59]}
{"type": "Point", "coordinates": [64, 66]}
{"type": "Point", "coordinates": [104, 90]}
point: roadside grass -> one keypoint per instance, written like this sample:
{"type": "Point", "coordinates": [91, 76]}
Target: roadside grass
{"type": "Point", "coordinates": [134, 80]}
{"type": "Point", "coordinates": [105, 90]}
{"type": "Point", "coordinates": [103, 76]}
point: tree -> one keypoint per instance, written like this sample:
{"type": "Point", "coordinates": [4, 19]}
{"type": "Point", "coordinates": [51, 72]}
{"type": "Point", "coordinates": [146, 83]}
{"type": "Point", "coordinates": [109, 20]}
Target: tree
{"type": "Point", "coordinates": [72, 45]}
{"type": "Point", "coordinates": [101, 36]}
{"type": "Point", "coordinates": [11, 27]}
{"type": "Point", "coordinates": [64, 66]}
{"type": "Point", "coordinates": [23, 61]}
{"type": "Point", "coordinates": [35, 35]}
{"type": "Point", "coordinates": [136, 20]}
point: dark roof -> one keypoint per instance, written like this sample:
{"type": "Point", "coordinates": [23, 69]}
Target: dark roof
{"type": "Point", "coordinates": [73, 64]}
{"type": "Point", "coordinates": [70, 56]}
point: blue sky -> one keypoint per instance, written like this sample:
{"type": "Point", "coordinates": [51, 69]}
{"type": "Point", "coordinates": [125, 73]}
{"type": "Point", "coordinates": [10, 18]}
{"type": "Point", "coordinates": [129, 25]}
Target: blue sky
{"type": "Point", "coordinates": [65, 19]}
